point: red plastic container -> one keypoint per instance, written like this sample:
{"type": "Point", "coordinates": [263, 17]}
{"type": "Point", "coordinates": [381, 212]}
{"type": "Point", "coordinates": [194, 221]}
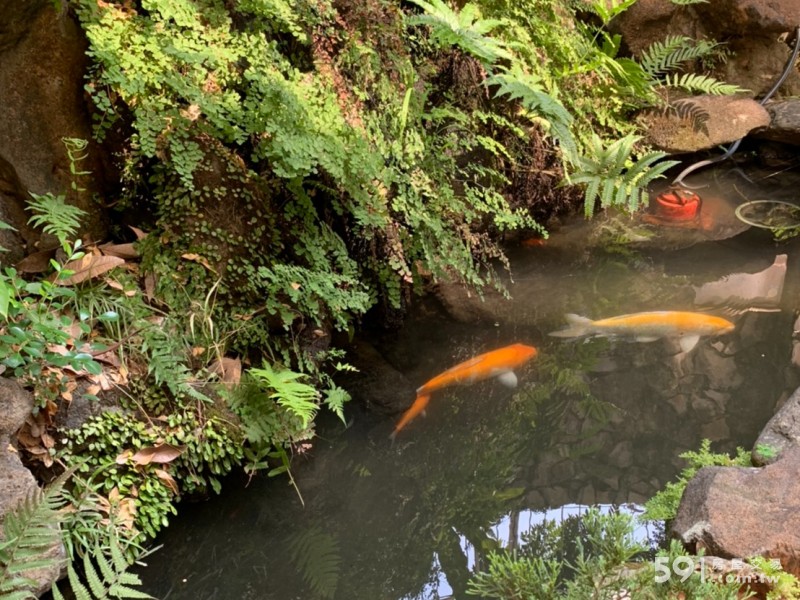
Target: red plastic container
{"type": "Point", "coordinates": [678, 205]}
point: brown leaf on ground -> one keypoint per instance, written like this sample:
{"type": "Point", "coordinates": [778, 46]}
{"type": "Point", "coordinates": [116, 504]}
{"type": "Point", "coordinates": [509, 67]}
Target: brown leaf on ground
{"type": "Point", "coordinates": [38, 262]}
{"type": "Point", "coordinates": [140, 235]}
{"type": "Point", "coordinates": [198, 259]}
{"type": "Point", "coordinates": [162, 454]}
{"type": "Point", "coordinates": [89, 267]}
{"type": "Point", "coordinates": [228, 369]}
{"type": "Point", "coordinates": [119, 250]}
{"type": "Point", "coordinates": [149, 286]}
{"type": "Point", "coordinates": [116, 285]}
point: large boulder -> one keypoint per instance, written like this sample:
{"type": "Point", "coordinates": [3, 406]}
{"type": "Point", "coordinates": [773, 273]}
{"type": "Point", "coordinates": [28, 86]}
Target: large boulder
{"type": "Point", "coordinates": [743, 512]}
{"type": "Point", "coordinates": [42, 70]}
{"type": "Point", "coordinates": [727, 120]}
{"type": "Point", "coordinates": [784, 123]}
{"type": "Point", "coordinates": [749, 28]}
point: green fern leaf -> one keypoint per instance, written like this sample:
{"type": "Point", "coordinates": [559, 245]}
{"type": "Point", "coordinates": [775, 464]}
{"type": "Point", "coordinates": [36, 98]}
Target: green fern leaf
{"type": "Point", "coordinates": [297, 397]}
{"type": "Point", "coordinates": [661, 57]}
{"type": "Point", "coordinates": [335, 398]}
{"type": "Point", "coordinates": [703, 84]}
{"type": "Point", "coordinates": [55, 216]}
{"type": "Point", "coordinates": [92, 577]}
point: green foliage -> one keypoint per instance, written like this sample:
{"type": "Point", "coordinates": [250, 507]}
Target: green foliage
{"type": "Point", "coordinates": [526, 88]}
{"type": "Point", "coordinates": [766, 451]}
{"type": "Point", "coordinates": [37, 327]}
{"type": "Point", "coordinates": [589, 557]}
{"type": "Point", "coordinates": [702, 84]}
{"type": "Point", "coordinates": [105, 576]}
{"type": "Point", "coordinates": [613, 177]}
{"type": "Point", "coordinates": [665, 56]}
{"type": "Point", "coordinates": [664, 505]}
{"type": "Point", "coordinates": [29, 533]}
{"type": "Point", "coordinates": [55, 216]}
{"type": "Point", "coordinates": [607, 10]}
{"type": "Point", "coordinates": [285, 388]}
{"type": "Point", "coordinates": [210, 449]}
{"type": "Point", "coordinates": [783, 586]}
{"type": "Point", "coordinates": [464, 29]}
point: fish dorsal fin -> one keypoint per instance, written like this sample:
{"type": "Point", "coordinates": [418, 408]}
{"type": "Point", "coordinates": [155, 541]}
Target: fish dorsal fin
{"type": "Point", "coordinates": [688, 342]}
{"type": "Point", "coordinates": [508, 379]}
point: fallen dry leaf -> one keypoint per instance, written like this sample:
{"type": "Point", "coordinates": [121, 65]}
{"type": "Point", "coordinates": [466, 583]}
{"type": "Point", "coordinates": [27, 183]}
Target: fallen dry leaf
{"type": "Point", "coordinates": [123, 458]}
{"type": "Point", "coordinates": [228, 369]}
{"type": "Point", "coordinates": [149, 286]}
{"type": "Point", "coordinates": [168, 479]}
{"type": "Point", "coordinates": [38, 262]}
{"type": "Point", "coordinates": [120, 250]}
{"type": "Point", "coordinates": [198, 259]}
{"type": "Point", "coordinates": [162, 454]}
{"type": "Point", "coordinates": [140, 235]}
{"type": "Point", "coordinates": [90, 266]}
{"type": "Point", "coordinates": [116, 285]}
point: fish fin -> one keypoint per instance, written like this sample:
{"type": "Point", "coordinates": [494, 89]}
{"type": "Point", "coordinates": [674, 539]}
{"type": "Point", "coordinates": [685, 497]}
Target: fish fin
{"type": "Point", "coordinates": [418, 407]}
{"type": "Point", "coordinates": [578, 326]}
{"type": "Point", "coordinates": [645, 338]}
{"type": "Point", "coordinates": [508, 379]}
{"type": "Point", "coordinates": [688, 342]}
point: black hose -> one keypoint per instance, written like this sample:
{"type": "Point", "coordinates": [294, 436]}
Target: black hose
{"type": "Point", "coordinates": [704, 163]}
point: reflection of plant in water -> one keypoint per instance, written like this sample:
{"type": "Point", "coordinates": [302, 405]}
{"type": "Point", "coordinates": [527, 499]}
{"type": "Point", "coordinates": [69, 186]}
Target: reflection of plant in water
{"type": "Point", "coordinates": [587, 557]}
{"type": "Point", "coordinates": [315, 554]}
{"type": "Point", "coordinates": [563, 386]}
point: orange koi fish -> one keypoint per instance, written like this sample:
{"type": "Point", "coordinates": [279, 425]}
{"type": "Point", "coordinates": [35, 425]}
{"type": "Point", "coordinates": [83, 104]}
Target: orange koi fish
{"type": "Point", "coordinates": [497, 363]}
{"type": "Point", "coordinates": [650, 326]}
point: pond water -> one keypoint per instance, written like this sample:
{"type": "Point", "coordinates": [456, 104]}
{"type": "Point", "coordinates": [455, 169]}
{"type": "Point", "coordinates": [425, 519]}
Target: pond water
{"type": "Point", "coordinates": [592, 421]}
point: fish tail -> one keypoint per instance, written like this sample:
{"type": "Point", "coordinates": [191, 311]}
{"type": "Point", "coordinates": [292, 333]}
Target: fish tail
{"type": "Point", "coordinates": [578, 326]}
{"type": "Point", "coordinates": [419, 406]}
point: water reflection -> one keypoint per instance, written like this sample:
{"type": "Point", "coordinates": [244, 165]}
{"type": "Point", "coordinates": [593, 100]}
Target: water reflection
{"type": "Point", "coordinates": [593, 422]}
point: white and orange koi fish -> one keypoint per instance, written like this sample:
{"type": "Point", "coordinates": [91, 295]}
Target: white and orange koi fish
{"type": "Point", "coordinates": [650, 326]}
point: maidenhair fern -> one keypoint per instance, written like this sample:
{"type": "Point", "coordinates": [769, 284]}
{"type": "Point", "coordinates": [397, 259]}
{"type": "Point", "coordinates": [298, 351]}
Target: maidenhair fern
{"type": "Point", "coordinates": [614, 177]}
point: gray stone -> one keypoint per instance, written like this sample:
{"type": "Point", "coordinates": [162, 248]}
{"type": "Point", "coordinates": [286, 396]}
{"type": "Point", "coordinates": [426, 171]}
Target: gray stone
{"type": "Point", "coordinates": [704, 410]}
{"type": "Point", "coordinates": [780, 433]}
{"type": "Point", "coordinates": [622, 455]}
{"type": "Point", "coordinates": [679, 403]}
{"type": "Point", "coordinates": [784, 125]}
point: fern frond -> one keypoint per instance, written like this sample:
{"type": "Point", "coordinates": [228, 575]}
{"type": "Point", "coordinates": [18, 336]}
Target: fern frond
{"type": "Point", "coordinates": [702, 84]}
{"type": "Point", "coordinates": [531, 95]}
{"type": "Point", "coordinates": [465, 29]}
{"type": "Point", "coordinates": [614, 177]}
{"type": "Point", "coordinates": [661, 57]}
{"type": "Point", "coordinates": [316, 555]}
{"type": "Point", "coordinates": [297, 397]}
{"type": "Point", "coordinates": [112, 580]}
{"type": "Point", "coordinates": [55, 216]}
{"type": "Point", "coordinates": [335, 399]}
{"type": "Point", "coordinates": [30, 531]}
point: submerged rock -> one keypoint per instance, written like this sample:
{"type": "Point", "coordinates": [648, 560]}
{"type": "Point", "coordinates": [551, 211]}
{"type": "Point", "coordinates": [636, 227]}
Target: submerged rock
{"type": "Point", "coordinates": [784, 123]}
{"type": "Point", "coordinates": [742, 512]}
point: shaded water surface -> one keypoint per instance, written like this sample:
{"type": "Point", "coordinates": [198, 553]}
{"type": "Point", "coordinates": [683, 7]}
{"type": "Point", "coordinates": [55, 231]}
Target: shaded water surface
{"type": "Point", "coordinates": [592, 422]}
